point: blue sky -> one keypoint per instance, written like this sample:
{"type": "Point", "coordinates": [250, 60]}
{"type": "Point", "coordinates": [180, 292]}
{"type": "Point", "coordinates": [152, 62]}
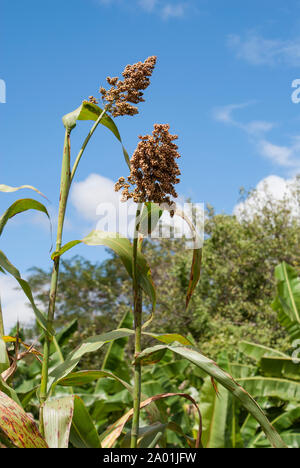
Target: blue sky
{"type": "Point", "coordinates": [223, 82]}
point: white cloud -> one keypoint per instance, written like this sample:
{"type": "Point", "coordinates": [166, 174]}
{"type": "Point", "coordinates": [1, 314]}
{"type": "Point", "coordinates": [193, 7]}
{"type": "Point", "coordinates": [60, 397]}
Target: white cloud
{"type": "Point", "coordinates": [257, 50]}
{"type": "Point", "coordinates": [148, 5]}
{"type": "Point", "coordinates": [272, 189]}
{"type": "Point", "coordinates": [87, 195]}
{"type": "Point", "coordinates": [285, 156]}
{"type": "Point", "coordinates": [14, 304]}
{"type": "Point", "coordinates": [163, 8]}
{"type": "Point", "coordinates": [173, 11]}
{"type": "Point", "coordinates": [96, 200]}
{"type": "Point", "coordinates": [253, 128]}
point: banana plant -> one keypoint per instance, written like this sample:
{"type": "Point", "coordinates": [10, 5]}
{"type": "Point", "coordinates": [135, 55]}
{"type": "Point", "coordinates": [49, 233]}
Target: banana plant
{"type": "Point", "coordinates": [273, 381]}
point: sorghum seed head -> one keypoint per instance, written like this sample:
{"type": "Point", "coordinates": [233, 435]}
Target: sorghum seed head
{"type": "Point", "coordinates": [124, 93]}
{"type": "Point", "coordinates": [153, 168]}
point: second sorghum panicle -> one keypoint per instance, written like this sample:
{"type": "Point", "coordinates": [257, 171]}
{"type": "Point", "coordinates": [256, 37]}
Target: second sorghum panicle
{"type": "Point", "coordinates": [153, 169]}
{"type": "Point", "coordinates": [124, 93]}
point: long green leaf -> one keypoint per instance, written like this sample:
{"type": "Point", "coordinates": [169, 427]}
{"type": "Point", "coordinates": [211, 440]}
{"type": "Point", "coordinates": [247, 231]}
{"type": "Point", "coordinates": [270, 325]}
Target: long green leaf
{"type": "Point", "coordinates": [94, 343]}
{"type": "Point", "coordinates": [281, 367]}
{"type": "Point", "coordinates": [88, 376]}
{"type": "Point", "coordinates": [256, 351]}
{"type": "Point", "coordinates": [285, 390]}
{"type": "Point", "coordinates": [123, 248]}
{"type": "Point", "coordinates": [213, 408]}
{"type": "Point", "coordinates": [88, 346]}
{"type": "Point", "coordinates": [211, 368]}
{"type": "Point", "coordinates": [288, 289]}
{"type": "Point", "coordinates": [83, 431]}
{"type": "Point", "coordinates": [18, 426]}
{"type": "Point", "coordinates": [281, 423]}
{"type": "Point", "coordinates": [293, 328]}
{"type": "Point", "coordinates": [20, 206]}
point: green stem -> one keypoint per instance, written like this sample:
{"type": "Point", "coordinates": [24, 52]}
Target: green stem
{"type": "Point", "coordinates": [66, 181]}
{"type": "Point", "coordinates": [64, 192]}
{"type": "Point", "coordinates": [138, 306]}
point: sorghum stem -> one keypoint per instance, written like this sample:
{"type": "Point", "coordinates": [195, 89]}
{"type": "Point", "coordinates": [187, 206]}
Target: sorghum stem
{"type": "Point", "coordinates": [138, 305]}
{"type": "Point", "coordinates": [66, 181]}
{"type": "Point", "coordinates": [64, 192]}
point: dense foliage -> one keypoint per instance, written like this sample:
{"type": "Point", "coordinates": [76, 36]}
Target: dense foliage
{"type": "Point", "coordinates": [231, 302]}
{"type": "Point", "coordinates": [115, 358]}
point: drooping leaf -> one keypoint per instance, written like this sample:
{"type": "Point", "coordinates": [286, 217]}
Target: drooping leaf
{"type": "Point", "coordinates": [20, 206]}
{"type": "Point", "coordinates": [8, 189]}
{"type": "Point", "coordinates": [123, 248]}
{"type": "Point", "coordinates": [211, 368]}
{"type": "Point", "coordinates": [18, 426]}
{"type": "Point", "coordinates": [197, 256]}
{"type": "Point", "coordinates": [87, 376]}
{"type": "Point", "coordinates": [169, 338]}
{"type": "Point", "coordinates": [90, 111]}
{"type": "Point", "coordinates": [8, 266]}
{"type": "Point", "coordinates": [88, 346]}
{"type": "Point", "coordinates": [195, 274]}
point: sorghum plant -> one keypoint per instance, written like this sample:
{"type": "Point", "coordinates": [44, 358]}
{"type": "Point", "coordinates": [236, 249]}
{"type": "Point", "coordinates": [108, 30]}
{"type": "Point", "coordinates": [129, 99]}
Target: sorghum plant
{"type": "Point", "coordinates": [151, 185]}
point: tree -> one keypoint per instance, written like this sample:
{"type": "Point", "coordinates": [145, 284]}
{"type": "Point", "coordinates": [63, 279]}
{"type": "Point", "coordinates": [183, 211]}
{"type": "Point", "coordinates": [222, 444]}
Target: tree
{"type": "Point", "coordinates": [232, 301]}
